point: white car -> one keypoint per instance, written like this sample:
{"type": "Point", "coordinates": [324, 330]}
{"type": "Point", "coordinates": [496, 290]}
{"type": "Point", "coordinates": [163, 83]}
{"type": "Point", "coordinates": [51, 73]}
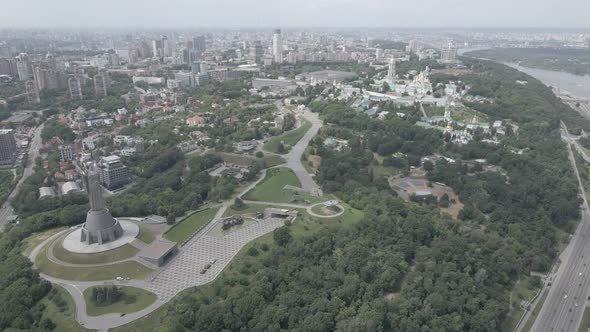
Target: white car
{"type": "Point", "coordinates": [119, 278]}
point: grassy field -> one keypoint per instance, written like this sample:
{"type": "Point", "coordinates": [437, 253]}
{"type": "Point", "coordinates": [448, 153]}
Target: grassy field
{"type": "Point", "coordinates": [60, 308]}
{"type": "Point", "coordinates": [290, 138]}
{"type": "Point", "coordinates": [535, 313]}
{"type": "Point", "coordinates": [129, 269]}
{"type": "Point", "coordinates": [245, 160]}
{"type": "Point", "coordinates": [113, 255]}
{"type": "Point", "coordinates": [34, 239]}
{"type": "Point", "coordinates": [145, 234]}
{"type": "Point", "coordinates": [132, 300]}
{"type": "Point", "coordinates": [271, 188]}
{"type": "Point", "coordinates": [184, 229]}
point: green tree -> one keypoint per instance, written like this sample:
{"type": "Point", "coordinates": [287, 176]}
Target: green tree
{"type": "Point", "coordinates": [282, 236]}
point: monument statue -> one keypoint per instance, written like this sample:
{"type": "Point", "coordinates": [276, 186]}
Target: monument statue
{"type": "Point", "coordinates": [100, 226]}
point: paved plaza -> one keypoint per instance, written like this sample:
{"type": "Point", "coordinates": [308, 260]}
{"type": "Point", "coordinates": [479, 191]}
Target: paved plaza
{"type": "Point", "coordinates": [184, 271]}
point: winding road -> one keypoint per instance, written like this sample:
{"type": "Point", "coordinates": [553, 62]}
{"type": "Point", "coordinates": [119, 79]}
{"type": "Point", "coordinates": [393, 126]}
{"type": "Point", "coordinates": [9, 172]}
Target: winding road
{"type": "Point", "coordinates": [183, 271]}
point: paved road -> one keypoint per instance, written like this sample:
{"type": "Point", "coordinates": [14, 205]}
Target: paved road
{"type": "Point", "coordinates": [564, 307]}
{"type": "Point", "coordinates": [294, 156]}
{"type": "Point", "coordinates": [6, 211]}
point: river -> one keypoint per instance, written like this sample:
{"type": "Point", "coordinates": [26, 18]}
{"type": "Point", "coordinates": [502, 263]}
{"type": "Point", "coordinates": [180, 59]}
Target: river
{"type": "Point", "coordinates": [573, 85]}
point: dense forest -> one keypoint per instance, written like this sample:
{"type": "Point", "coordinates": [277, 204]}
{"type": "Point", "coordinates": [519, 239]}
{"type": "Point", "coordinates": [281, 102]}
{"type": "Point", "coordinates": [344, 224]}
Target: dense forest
{"type": "Point", "coordinates": [574, 61]}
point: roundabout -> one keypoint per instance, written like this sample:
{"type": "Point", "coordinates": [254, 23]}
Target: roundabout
{"type": "Point", "coordinates": [329, 209]}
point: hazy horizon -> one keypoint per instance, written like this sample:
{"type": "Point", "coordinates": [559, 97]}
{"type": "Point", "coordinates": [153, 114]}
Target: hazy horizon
{"type": "Point", "coordinates": [465, 14]}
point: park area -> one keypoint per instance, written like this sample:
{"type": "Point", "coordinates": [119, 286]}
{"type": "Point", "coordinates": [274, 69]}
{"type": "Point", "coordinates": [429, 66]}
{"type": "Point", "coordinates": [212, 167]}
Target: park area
{"type": "Point", "coordinates": [131, 269]}
{"type": "Point", "coordinates": [272, 188]}
{"type": "Point", "coordinates": [288, 138]}
{"type": "Point", "coordinates": [185, 229]}
{"type": "Point", "coordinates": [130, 300]}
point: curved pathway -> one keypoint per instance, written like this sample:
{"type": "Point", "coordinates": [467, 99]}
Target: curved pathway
{"type": "Point", "coordinates": [184, 270]}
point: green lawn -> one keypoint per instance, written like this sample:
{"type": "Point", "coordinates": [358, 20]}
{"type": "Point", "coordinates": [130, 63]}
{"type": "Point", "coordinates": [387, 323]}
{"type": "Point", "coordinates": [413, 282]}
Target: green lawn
{"type": "Point", "coordinates": [585, 325]}
{"type": "Point", "coordinates": [535, 313]}
{"type": "Point", "coordinates": [113, 255]}
{"type": "Point", "coordinates": [132, 300]}
{"type": "Point", "coordinates": [290, 138]}
{"type": "Point", "coordinates": [246, 160]}
{"type": "Point", "coordinates": [129, 269]}
{"type": "Point", "coordinates": [184, 229]}
{"type": "Point", "coordinates": [34, 239]}
{"type": "Point", "coordinates": [271, 188]}
{"type": "Point", "coordinates": [145, 234]}
{"type": "Point", "coordinates": [60, 308]}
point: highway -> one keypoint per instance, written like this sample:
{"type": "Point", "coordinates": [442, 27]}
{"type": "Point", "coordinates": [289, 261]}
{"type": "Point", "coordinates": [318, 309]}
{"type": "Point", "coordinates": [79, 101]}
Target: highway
{"type": "Point", "coordinates": [565, 304]}
{"type": "Point", "coordinates": [6, 211]}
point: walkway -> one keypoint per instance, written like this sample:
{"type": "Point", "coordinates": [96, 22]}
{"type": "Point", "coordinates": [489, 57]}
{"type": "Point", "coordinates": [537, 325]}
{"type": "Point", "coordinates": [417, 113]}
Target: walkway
{"type": "Point", "coordinates": [294, 156]}
{"type": "Point", "coordinates": [184, 270]}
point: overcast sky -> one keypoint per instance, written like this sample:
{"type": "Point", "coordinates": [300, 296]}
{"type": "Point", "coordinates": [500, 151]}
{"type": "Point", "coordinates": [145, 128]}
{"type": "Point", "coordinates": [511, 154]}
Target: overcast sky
{"type": "Point", "coordinates": [296, 13]}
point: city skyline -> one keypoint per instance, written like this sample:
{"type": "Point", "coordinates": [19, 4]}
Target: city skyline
{"type": "Point", "coordinates": [307, 13]}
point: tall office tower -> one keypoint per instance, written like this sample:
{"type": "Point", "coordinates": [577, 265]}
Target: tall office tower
{"type": "Point", "coordinates": [100, 85]}
{"type": "Point", "coordinates": [167, 48]}
{"type": "Point", "coordinates": [8, 67]}
{"type": "Point", "coordinates": [449, 53]}
{"type": "Point", "coordinates": [32, 92]}
{"type": "Point", "coordinates": [378, 53]}
{"type": "Point", "coordinates": [414, 46]}
{"type": "Point", "coordinates": [256, 53]}
{"type": "Point", "coordinates": [277, 46]}
{"type": "Point", "coordinates": [133, 56]}
{"type": "Point", "coordinates": [24, 67]}
{"type": "Point", "coordinates": [7, 147]}
{"type": "Point", "coordinates": [391, 72]}
{"type": "Point", "coordinates": [199, 44]}
{"type": "Point", "coordinates": [75, 88]}
{"type": "Point", "coordinates": [156, 48]}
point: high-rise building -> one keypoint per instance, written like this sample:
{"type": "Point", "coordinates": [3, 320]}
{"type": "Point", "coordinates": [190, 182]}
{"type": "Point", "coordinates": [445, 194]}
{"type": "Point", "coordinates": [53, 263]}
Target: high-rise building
{"type": "Point", "coordinates": [24, 67]}
{"type": "Point", "coordinates": [100, 85]}
{"type": "Point", "coordinates": [32, 92]}
{"type": "Point", "coordinates": [75, 88]}
{"type": "Point", "coordinates": [7, 147]}
{"type": "Point", "coordinates": [391, 72]}
{"type": "Point", "coordinates": [48, 77]}
{"type": "Point", "coordinates": [113, 173]}
{"type": "Point", "coordinates": [449, 53]}
{"type": "Point", "coordinates": [8, 67]}
{"type": "Point", "coordinates": [199, 67]}
{"type": "Point", "coordinates": [256, 53]}
{"type": "Point", "coordinates": [277, 46]}
{"type": "Point", "coordinates": [200, 44]}
{"type": "Point", "coordinates": [156, 48]}
{"type": "Point", "coordinates": [133, 56]}
{"type": "Point", "coordinates": [166, 47]}
{"type": "Point", "coordinates": [414, 46]}
{"type": "Point", "coordinates": [201, 79]}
